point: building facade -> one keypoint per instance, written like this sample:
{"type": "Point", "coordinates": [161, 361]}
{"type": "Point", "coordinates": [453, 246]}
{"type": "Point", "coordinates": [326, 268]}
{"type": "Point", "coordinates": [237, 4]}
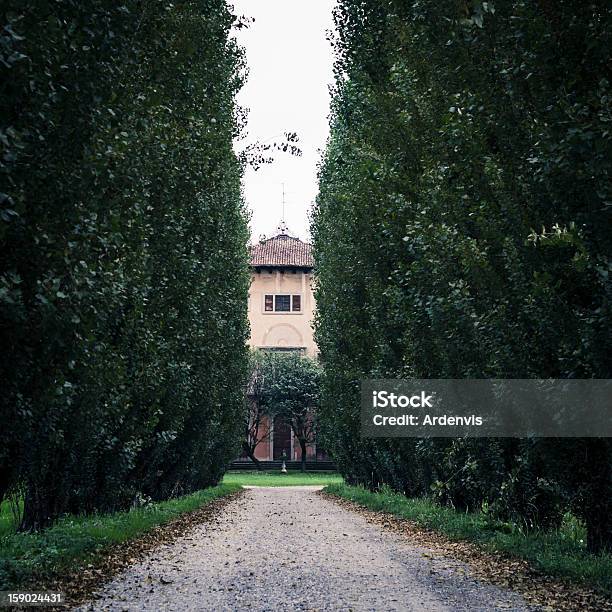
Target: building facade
{"type": "Point", "coordinates": [281, 300]}
{"type": "Point", "coordinates": [281, 308]}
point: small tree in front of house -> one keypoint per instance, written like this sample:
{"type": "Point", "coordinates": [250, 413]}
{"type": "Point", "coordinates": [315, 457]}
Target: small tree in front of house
{"type": "Point", "coordinates": [287, 385]}
{"type": "Point", "coordinates": [284, 385]}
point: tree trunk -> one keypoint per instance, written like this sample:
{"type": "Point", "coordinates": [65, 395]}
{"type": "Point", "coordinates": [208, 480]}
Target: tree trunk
{"type": "Point", "coordinates": [38, 509]}
{"type": "Point", "coordinates": [597, 508]}
{"type": "Point", "coordinates": [251, 455]}
{"type": "Point", "coordinates": [256, 461]}
{"type": "Point", "coordinates": [303, 447]}
{"type": "Point", "coordinates": [599, 531]}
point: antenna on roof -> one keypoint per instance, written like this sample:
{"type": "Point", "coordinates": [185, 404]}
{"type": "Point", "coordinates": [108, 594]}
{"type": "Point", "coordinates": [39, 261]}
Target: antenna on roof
{"type": "Point", "coordinates": [282, 228]}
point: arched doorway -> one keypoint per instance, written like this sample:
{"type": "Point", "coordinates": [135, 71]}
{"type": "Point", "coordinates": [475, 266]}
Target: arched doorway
{"type": "Point", "coordinates": [281, 438]}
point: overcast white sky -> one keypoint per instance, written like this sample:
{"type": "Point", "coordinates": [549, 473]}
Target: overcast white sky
{"type": "Point", "coordinates": [290, 68]}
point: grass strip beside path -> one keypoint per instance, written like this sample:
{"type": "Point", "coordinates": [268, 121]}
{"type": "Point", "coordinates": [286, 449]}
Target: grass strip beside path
{"type": "Point", "coordinates": [559, 554]}
{"type": "Point", "coordinates": [97, 544]}
{"type": "Point", "coordinates": [277, 479]}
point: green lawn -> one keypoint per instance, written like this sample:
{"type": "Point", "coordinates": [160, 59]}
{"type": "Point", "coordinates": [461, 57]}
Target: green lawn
{"type": "Point", "coordinates": [560, 553]}
{"type": "Point", "coordinates": [75, 541]}
{"type": "Point", "coordinates": [276, 479]}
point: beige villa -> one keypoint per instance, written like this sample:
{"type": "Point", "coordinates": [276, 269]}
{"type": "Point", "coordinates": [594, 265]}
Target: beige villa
{"type": "Point", "coordinates": [281, 301]}
{"type": "Point", "coordinates": [281, 309]}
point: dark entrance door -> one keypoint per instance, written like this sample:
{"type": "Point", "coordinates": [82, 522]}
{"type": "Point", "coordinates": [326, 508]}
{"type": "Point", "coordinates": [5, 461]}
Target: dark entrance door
{"type": "Point", "coordinates": [281, 439]}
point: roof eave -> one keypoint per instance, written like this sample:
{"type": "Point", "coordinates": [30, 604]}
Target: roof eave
{"type": "Point", "coordinates": [298, 266]}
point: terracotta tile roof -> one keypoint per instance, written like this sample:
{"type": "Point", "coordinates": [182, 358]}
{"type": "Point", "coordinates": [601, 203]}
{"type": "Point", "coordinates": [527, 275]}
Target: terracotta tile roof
{"type": "Point", "coordinates": [282, 250]}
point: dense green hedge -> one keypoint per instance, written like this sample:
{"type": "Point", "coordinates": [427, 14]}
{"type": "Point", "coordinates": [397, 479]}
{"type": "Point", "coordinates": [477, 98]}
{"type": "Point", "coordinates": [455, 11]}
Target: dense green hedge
{"type": "Point", "coordinates": [463, 231]}
{"type": "Point", "coordinates": [123, 263]}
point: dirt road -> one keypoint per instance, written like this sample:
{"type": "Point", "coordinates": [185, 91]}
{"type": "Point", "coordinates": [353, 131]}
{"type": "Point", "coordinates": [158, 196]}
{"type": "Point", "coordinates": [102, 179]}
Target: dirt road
{"type": "Point", "coordinates": [288, 548]}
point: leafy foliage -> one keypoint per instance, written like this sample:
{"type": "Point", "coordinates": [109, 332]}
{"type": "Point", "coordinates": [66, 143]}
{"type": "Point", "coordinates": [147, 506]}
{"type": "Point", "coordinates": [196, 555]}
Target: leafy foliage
{"type": "Point", "coordinates": [463, 231]}
{"type": "Point", "coordinates": [123, 265]}
{"type": "Point", "coordinates": [288, 386]}
{"type": "Point", "coordinates": [256, 423]}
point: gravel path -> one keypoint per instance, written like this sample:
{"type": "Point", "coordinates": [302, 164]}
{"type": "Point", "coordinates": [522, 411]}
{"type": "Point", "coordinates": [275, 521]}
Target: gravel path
{"type": "Point", "coordinates": [287, 548]}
